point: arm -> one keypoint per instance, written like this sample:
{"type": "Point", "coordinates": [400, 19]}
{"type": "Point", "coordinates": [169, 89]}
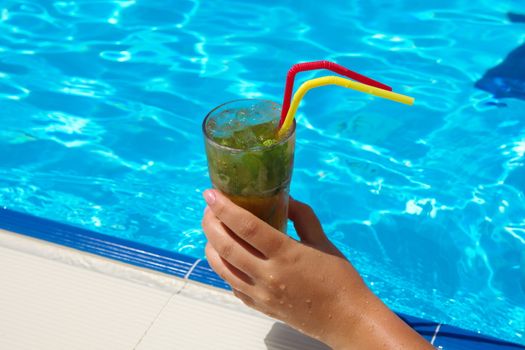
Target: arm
{"type": "Point", "coordinates": [308, 284]}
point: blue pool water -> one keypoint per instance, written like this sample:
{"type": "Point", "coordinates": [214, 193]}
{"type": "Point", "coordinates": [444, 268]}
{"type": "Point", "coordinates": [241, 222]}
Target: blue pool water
{"type": "Point", "coordinates": [101, 104]}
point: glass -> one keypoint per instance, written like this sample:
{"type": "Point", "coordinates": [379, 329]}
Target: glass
{"type": "Point", "coordinates": [246, 163]}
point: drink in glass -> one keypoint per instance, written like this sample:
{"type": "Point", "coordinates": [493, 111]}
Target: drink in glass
{"type": "Point", "coordinates": [245, 160]}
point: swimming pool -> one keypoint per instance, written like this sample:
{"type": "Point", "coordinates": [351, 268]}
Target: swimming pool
{"type": "Point", "coordinates": [101, 104]}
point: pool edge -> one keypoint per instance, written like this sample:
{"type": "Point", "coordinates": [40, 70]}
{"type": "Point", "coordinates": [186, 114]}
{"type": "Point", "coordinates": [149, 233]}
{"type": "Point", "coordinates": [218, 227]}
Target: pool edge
{"type": "Point", "coordinates": [198, 270]}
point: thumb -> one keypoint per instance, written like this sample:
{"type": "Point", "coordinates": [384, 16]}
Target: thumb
{"type": "Point", "coordinates": [306, 223]}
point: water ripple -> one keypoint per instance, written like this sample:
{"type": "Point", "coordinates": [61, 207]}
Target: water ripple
{"type": "Point", "coordinates": [86, 87]}
{"type": "Point", "coordinates": [117, 56]}
{"type": "Point", "coordinates": [12, 91]}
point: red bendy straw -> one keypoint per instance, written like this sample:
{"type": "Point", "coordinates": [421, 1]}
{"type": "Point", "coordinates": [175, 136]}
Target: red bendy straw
{"type": "Point", "coordinates": [334, 67]}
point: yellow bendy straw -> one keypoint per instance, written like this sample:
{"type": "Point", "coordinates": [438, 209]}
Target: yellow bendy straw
{"type": "Point", "coordinates": [335, 80]}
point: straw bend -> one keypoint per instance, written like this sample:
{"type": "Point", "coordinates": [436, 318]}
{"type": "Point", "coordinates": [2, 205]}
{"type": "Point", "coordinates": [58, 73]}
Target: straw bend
{"type": "Point", "coordinates": [332, 66]}
{"type": "Point", "coordinates": [334, 80]}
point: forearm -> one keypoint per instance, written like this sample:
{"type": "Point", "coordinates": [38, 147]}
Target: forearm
{"type": "Point", "coordinates": [376, 327]}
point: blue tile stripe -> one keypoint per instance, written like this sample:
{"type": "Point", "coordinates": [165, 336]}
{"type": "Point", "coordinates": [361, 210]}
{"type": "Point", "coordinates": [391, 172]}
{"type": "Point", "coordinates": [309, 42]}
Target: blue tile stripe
{"type": "Point", "coordinates": [436, 331]}
{"type": "Point", "coordinates": [448, 338]}
{"type": "Point", "coordinates": [92, 242]}
{"type": "Point", "coordinates": [190, 271]}
{"type": "Point", "coordinates": [423, 327]}
{"type": "Point", "coordinates": [204, 274]}
{"type": "Point", "coordinates": [454, 338]}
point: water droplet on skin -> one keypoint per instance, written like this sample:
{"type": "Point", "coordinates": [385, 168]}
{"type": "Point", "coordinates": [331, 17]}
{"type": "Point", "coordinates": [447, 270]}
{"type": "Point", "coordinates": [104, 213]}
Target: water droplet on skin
{"type": "Point", "coordinates": [281, 302]}
{"type": "Point", "coordinates": [330, 316]}
{"type": "Point", "coordinates": [308, 303]}
{"type": "Point", "coordinates": [282, 287]}
{"type": "Point", "coordinates": [302, 324]}
{"type": "Point", "coordinates": [271, 277]}
{"type": "Point", "coordinates": [290, 306]}
{"type": "Point", "coordinates": [268, 300]}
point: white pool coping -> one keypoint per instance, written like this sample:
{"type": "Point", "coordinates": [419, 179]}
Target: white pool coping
{"type": "Point", "coordinates": [53, 297]}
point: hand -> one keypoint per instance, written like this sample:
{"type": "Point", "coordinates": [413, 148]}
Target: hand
{"type": "Point", "coordinates": [308, 284]}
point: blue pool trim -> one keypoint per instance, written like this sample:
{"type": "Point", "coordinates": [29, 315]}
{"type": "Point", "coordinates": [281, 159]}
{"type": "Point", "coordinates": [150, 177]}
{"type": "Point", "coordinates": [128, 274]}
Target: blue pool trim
{"type": "Point", "coordinates": [92, 242]}
{"type": "Point", "coordinates": [448, 338]}
{"type": "Point", "coordinates": [204, 274]}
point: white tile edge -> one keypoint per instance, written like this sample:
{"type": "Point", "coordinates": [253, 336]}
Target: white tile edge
{"type": "Point", "coordinates": [218, 296]}
{"type": "Point", "coordinates": [171, 284]}
{"type": "Point", "coordinates": [177, 287]}
{"type": "Point", "coordinates": [187, 276]}
{"type": "Point", "coordinates": [92, 262]}
{"type": "Point", "coordinates": [436, 331]}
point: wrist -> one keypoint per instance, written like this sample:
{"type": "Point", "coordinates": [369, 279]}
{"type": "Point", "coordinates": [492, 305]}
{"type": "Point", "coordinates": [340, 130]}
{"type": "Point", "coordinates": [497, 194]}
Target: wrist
{"type": "Point", "coordinates": [350, 317]}
{"type": "Point", "coordinates": [373, 326]}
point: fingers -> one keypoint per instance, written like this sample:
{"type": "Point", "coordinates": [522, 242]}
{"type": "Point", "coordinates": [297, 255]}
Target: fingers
{"type": "Point", "coordinates": [235, 278]}
{"type": "Point", "coordinates": [306, 223]}
{"type": "Point", "coordinates": [245, 225]}
{"type": "Point", "coordinates": [229, 247]}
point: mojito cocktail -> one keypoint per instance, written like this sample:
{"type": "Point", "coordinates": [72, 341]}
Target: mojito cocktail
{"type": "Point", "coordinates": [245, 160]}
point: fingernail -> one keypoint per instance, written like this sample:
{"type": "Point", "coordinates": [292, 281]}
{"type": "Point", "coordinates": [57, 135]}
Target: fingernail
{"type": "Point", "coordinates": [209, 197]}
